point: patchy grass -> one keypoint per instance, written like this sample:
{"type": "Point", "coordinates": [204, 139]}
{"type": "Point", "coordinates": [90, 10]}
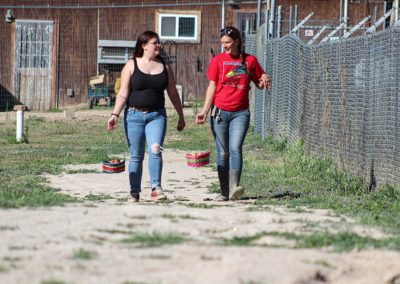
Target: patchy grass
{"type": "Point", "coordinates": [99, 197]}
{"type": "Point", "coordinates": [276, 173]}
{"type": "Point", "coordinates": [84, 254]}
{"type": "Point", "coordinates": [52, 281]}
{"type": "Point", "coordinates": [154, 239]}
{"type": "Point", "coordinates": [243, 240]}
{"type": "Point", "coordinates": [339, 242]}
{"type": "Point", "coordinates": [199, 205]}
{"type": "Point", "coordinates": [285, 175]}
{"type": "Point", "coordinates": [176, 217]}
{"type": "Point", "coordinates": [81, 171]}
{"type": "Point", "coordinates": [49, 146]}
{"type": "Point", "coordinates": [193, 138]}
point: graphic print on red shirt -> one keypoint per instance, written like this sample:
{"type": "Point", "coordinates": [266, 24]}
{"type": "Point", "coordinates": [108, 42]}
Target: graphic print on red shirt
{"type": "Point", "coordinates": [233, 74]}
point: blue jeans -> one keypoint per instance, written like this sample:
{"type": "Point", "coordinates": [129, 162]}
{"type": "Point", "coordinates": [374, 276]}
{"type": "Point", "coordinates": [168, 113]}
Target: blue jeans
{"type": "Point", "coordinates": [229, 130]}
{"type": "Point", "coordinates": [141, 127]}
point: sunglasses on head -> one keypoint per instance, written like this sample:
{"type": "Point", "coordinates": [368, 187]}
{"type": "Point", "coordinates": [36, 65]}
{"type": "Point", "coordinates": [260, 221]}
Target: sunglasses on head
{"type": "Point", "coordinates": [226, 31]}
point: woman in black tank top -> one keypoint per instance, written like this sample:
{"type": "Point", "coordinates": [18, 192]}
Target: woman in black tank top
{"type": "Point", "coordinates": [143, 82]}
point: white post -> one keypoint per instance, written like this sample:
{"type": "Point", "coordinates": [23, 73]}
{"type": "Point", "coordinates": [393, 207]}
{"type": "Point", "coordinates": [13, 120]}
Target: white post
{"type": "Point", "coordinates": [373, 28]}
{"type": "Point", "coordinates": [272, 19]}
{"type": "Point", "coordinates": [223, 15]}
{"type": "Point", "coordinates": [258, 14]}
{"type": "Point", "coordinates": [296, 28]}
{"type": "Point", "coordinates": [395, 17]}
{"type": "Point", "coordinates": [356, 27]}
{"type": "Point", "coordinates": [332, 33]}
{"type": "Point", "coordinates": [20, 125]}
{"type": "Point", "coordinates": [222, 19]}
{"type": "Point", "coordinates": [278, 28]}
{"type": "Point", "coordinates": [346, 14]}
{"type": "Point", "coordinates": [266, 37]}
{"type": "Point", "coordinates": [318, 35]}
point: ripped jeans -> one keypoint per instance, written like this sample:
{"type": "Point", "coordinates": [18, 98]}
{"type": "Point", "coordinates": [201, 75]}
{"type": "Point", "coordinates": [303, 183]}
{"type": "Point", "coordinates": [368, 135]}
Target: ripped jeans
{"type": "Point", "coordinates": [141, 127]}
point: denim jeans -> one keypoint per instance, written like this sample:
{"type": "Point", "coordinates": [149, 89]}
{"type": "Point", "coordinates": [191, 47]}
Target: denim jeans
{"type": "Point", "coordinates": [141, 127]}
{"type": "Point", "coordinates": [229, 130]}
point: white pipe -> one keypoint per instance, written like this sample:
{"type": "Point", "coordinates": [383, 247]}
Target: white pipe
{"type": "Point", "coordinates": [317, 35]}
{"type": "Point", "coordinates": [266, 37]}
{"type": "Point", "coordinates": [384, 11]}
{"type": "Point", "coordinates": [332, 33]}
{"type": "Point", "coordinates": [296, 28]}
{"type": "Point", "coordinates": [20, 125]}
{"type": "Point", "coordinates": [222, 20]}
{"type": "Point", "coordinates": [223, 14]}
{"type": "Point", "coordinates": [380, 21]}
{"type": "Point", "coordinates": [396, 10]}
{"type": "Point", "coordinates": [356, 27]}
{"type": "Point", "coordinates": [258, 14]}
{"type": "Point", "coordinates": [346, 14]}
{"type": "Point", "coordinates": [278, 28]}
{"type": "Point", "coordinates": [272, 19]}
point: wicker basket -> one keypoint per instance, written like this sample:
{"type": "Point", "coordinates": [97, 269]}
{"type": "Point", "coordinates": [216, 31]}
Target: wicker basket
{"type": "Point", "coordinates": [112, 167]}
{"type": "Point", "coordinates": [196, 160]}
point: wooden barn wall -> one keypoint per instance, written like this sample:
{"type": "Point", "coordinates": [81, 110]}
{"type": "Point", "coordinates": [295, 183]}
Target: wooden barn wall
{"type": "Point", "coordinates": [77, 52]}
{"type": "Point", "coordinates": [6, 92]}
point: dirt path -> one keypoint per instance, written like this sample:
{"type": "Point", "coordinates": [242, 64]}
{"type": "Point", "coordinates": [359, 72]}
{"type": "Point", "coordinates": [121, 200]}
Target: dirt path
{"type": "Point", "coordinates": [51, 244]}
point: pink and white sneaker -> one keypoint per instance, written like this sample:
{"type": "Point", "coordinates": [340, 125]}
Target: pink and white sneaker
{"type": "Point", "coordinates": [158, 194]}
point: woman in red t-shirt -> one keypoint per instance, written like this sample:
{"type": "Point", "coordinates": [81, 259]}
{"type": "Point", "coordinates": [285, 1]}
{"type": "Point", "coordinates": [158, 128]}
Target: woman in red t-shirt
{"type": "Point", "coordinates": [230, 74]}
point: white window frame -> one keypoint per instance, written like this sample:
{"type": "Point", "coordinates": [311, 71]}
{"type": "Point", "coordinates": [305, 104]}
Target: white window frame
{"type": "Point", "coordinates": [180, 14]}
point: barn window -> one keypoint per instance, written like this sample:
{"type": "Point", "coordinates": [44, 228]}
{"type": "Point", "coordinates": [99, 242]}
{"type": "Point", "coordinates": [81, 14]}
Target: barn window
{"type": "Point", "coordinates": [179, 26]}
{"type": "Point", "coordinates": [33, 46]}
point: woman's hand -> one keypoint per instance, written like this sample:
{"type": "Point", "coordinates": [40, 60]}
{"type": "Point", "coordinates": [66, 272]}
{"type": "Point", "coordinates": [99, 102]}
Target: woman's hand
{"type": "Point", "coordinates": [264, 82]}
{"type": "Point", "coordinates": [112, 122]}
{"type": "Point", "coordinates": [181, 124]}
{"type": "Point", "coordinates": [201, 117]}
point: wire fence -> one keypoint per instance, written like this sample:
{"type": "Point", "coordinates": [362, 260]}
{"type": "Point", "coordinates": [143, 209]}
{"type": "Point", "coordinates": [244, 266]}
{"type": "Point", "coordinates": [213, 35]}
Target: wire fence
{"type": "Point", "coordinates": [341, 98]}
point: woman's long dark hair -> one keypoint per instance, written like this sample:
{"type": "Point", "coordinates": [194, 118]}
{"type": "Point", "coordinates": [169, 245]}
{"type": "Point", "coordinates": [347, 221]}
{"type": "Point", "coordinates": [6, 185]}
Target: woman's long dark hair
{"type": "Point", "coordinates": [234, 34]}
{"type": "Point", "coordinates": [144, 38]}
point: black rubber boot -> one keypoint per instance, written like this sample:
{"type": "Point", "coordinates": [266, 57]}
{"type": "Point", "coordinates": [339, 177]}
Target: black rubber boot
{"type": "Point", "coordinates": [235, 190]}
{"type": "Point", "coordinates": [223, 176]}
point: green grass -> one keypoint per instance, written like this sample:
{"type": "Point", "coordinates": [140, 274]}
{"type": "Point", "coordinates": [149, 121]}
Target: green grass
{"type": "Point", "coordinates": [81, 171]}
{"type": "Point", "coordinates": [287, 176]}
{"type": "Point", "coordinates": [277, 173]}
{"type": "Point", "coordinates": [199, 205]}
{"type": "Point", "coordinates": [84, 254]}
{"type": "Point", "coordinates": [100, 197]}
{"type": "Point", "coordinates": [52, 281]}
{"type": "Point", "coordinates": [50, 145]}
{"type": "Point", "coordinates": [339, 242]}
{"type": "Point", "coordinates": [56, 110]}
{"type": "Point", "coordinates": [193, 138]}
{"type": "Point", "coordinates": [154, 239]}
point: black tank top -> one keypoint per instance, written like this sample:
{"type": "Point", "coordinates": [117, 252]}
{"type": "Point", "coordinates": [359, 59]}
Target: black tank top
{"type": "Point", "coordinates": [147, 91]}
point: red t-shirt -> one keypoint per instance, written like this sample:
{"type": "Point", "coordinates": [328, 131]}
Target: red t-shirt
{"type": "Point", "coordinates": [233, 80]}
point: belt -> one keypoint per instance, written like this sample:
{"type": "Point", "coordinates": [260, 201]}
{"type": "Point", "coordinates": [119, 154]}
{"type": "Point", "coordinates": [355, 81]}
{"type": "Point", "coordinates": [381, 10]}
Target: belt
{"type": "Point", "coordinates": [144, 109]}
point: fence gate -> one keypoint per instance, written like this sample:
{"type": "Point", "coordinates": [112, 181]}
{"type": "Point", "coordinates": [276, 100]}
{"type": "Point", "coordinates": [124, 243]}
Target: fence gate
{"type": "Point", "coordinates": [33, 63]}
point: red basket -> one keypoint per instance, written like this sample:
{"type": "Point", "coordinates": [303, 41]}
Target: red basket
{"type": "Point", "coordinates": [112, 167]}
{"type": "Point", "coordinates": [196, 160]}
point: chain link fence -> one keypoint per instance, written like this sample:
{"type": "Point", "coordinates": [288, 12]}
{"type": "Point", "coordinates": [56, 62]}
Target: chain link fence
{"type": "Point", "coordinates": [341, 98]}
